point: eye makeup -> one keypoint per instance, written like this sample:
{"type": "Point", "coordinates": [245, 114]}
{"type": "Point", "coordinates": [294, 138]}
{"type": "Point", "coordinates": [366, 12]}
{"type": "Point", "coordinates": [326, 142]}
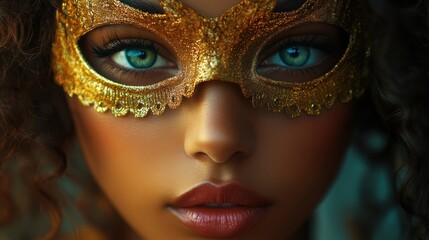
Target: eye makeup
{"type": "Point", "coordinates": [132, 60]}
{"type": "Point", "coordinates": [304, 56]}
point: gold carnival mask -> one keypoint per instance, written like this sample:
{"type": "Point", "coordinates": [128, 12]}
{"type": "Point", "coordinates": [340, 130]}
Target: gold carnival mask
{"type": "Point", "coordinates": [224, 48]}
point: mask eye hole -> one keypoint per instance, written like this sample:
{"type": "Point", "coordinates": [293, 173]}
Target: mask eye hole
{"type": "Point", "coordinates": [127, 55]}
{"type": "Point", "coordinates": [302, 54]}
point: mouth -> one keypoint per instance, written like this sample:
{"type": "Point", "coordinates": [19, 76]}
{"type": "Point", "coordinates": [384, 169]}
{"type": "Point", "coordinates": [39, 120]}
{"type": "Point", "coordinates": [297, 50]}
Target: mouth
{"type": "Point", "coordinates": [219, 211]}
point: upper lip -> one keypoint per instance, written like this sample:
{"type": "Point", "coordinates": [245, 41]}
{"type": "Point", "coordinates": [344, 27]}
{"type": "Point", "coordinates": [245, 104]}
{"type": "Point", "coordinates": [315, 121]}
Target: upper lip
{"type": "Point", "coordinates": [209, 193]}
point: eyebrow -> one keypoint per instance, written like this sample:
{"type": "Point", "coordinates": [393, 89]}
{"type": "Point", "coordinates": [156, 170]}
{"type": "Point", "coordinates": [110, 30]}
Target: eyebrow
{"type": "Point", "coordinates": [145, 6]}
{"type": "Point", "coordinates": [288, 5]}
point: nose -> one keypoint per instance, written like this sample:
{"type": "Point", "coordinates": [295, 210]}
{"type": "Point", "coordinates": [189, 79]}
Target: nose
{"type": "Point", "coordinates": [221, 126]}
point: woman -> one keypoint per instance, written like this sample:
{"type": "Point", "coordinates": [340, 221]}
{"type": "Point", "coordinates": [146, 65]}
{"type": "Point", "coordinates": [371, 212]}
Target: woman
{"type": "Point", "coordinates": [254, 108]}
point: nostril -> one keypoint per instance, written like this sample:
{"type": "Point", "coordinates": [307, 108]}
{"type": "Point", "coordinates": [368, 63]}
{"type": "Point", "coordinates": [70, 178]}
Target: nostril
{"type": "Point", "coordinates": [218, 158]}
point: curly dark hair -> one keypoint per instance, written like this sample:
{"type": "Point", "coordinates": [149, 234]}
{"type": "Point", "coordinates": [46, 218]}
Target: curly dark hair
{"type": "Point", "coordinates": [36, 130]}
{"type": "Point", "coordinates": [401, 67]}
{"type": "Point", "coordinates": [30, 123]}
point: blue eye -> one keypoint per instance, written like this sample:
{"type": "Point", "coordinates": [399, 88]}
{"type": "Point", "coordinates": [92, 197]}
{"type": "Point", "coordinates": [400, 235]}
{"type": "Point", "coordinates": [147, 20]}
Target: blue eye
{"type": "Point", "coordinates": [139, 58]}
{"type": "Point", "coordinates": [296, 56]}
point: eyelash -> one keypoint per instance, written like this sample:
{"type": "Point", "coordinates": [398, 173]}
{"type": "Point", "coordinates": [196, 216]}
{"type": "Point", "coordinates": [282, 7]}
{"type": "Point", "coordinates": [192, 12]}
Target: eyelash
{"type": "Point", "coordinates": [116, 45]}
{"type": "Point", "coordinates": [111, 44]}
{"type": "Point", "coordinates": [315, 41]}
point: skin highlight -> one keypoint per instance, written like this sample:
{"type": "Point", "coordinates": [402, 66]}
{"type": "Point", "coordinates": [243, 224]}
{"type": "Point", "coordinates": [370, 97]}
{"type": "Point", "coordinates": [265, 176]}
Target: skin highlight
{"type": "Point", "coordinates": [211, 8]}
{"type": "Point", "coordinates": [217, 136]}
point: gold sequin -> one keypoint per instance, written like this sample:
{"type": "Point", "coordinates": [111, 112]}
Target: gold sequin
{"type": "Point", "coordinates": [224, 48]}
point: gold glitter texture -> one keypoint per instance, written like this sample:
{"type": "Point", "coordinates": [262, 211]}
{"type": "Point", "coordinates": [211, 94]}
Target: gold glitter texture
{"type": "Point", "coordinates": [224, 48]}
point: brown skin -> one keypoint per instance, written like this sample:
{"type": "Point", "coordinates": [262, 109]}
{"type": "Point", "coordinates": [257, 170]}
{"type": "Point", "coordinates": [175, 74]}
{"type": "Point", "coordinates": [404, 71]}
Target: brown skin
{"type": "Point", "coordinates": [211, 8]}
{"type": "Point", "coordinates": [142, 164]}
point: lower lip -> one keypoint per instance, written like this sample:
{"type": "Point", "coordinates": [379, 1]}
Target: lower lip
{"type": "Point", "coordinates": [219, 222]}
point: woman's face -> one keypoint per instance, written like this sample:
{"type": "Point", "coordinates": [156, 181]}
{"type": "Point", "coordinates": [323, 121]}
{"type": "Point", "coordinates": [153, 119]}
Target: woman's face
{"type": "Point", "coordinates": [259, 174]}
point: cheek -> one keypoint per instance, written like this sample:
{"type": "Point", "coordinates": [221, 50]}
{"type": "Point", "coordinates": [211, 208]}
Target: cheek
{"type": "Point", "coordinates": [125, 157]}
{"type": "Point", "coordinates": [301, 158]}
{"type": "Point", "coordinates": [307, 149]}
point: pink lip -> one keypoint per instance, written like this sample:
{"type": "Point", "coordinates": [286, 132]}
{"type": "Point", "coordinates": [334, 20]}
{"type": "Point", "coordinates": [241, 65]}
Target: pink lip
{"type": "Point", "coordinates": [198, 209]}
